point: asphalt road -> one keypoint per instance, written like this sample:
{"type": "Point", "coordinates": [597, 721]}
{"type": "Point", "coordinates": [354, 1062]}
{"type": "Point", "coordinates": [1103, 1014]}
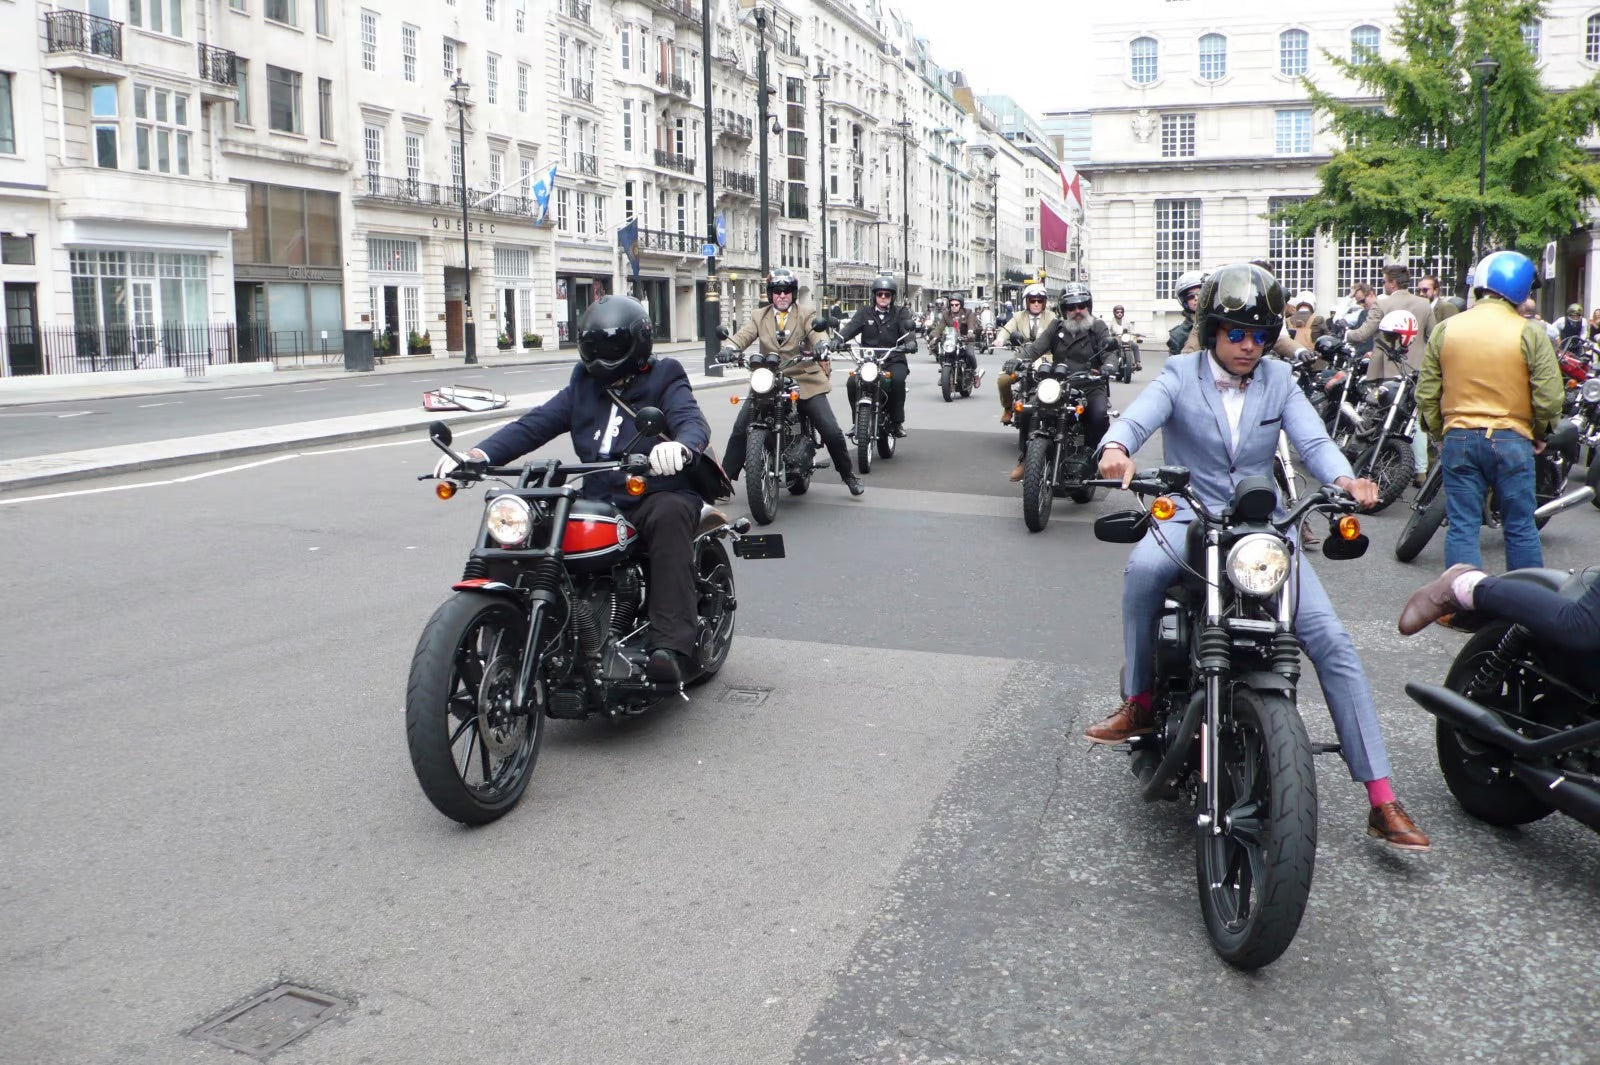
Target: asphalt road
{"type": "Point", "coordinates": [74, 425]}
{"type": "Point", "coordinates": [905, 854]}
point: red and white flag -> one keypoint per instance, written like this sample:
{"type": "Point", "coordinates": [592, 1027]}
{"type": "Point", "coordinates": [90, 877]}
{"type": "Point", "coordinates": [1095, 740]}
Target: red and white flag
{"type": "Point", "coordinates": [1052, 229]}
{"type": "Point", "coordinates": [1071, 185]}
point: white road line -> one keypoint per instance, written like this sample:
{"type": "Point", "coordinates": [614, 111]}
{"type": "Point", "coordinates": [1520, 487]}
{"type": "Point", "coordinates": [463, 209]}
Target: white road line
{"type": "Point", "coordinates": [311, 390]}
{"type": "Point", "coordinates": [513, 373]}
{"type": "Point", "coordinates": [372, 384]}
{"type": "Point", "coordinates": [168, 403]}
{"type": "Point", "coordinates": [75, 414]}
{"type": "Point", "coordinates": [37, 413]}
{"type": "Point", "coordinates": [233, 469]}
{"type": "Point", "coordinates": [248, 395]}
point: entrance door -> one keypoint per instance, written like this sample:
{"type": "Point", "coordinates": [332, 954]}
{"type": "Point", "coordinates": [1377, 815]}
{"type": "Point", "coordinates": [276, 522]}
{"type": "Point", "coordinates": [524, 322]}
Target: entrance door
{"type": "Point", "coordinates": [250, 311]}
{"type": "Point", "coordinates": [455, 333]}
{"type": "Point", "coordinates": [22, 330]}
{"type": "Point", "coordinates": [509, 322]}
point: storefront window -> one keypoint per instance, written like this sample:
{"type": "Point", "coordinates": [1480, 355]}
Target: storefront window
{"type": "Point", "coordinates": [322, 211]}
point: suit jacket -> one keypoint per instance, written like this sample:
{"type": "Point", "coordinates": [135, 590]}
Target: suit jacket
{"type": "Point", "coordinates": [811, 377]}
{"type": "Point", "coordinates": [1402, 299]}
{"type": "Point", "coordinates": [1185, 404]}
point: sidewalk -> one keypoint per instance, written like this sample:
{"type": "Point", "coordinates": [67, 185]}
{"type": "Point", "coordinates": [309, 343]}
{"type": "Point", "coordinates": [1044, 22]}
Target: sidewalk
{"type": "Point", "coordinates": [43, 470]}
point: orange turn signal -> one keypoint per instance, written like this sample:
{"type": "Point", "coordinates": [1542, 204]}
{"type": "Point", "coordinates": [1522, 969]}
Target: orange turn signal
{"type": "Point", "coordinates": [444, 489]}
{"type": "Point", "coordinates": [635, 485]}
{"type": "Point", "coordinates": [1078, 409]}
{"type": "Point", "coordinates": [794, 397]}
{"type": "Point", "coordinates": [1349, 527]}
{"type": "Point", "coordinates": [1017, 406]}
{"type": "Point", "coordinates": [1163, 508]}
{"type": "Point", "coordinates": [734, 400]}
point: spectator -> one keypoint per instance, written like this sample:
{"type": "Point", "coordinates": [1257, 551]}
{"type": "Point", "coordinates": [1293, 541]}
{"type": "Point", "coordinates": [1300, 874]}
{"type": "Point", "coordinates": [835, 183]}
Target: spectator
{"type": "Point", "coordinates": [1529, 309]}
{"type": "Point", "coordinates": [1570, 327]}
{"type": "Point", "coordinates": [1428, 288]}
{"type": "Point", "coordinates": [1594, 324]}
{"type": "Point", "coordinates": [1491, 386]}
{"type": "Point", "coordinates": [1397, 297]}
{"type": "Point", "coordinates": [1366, 298]}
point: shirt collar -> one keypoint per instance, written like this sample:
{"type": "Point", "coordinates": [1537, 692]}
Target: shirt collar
{"type": "Point", "coordinates": [1226, 381]}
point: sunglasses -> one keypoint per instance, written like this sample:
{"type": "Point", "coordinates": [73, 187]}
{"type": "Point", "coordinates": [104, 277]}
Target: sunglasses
{"type": "Point", "coordinates": [1236, 336]}
{"type": "Point", "coordinates": [1077, 306]}
{"type": "Point", "coordinates": [1035, 299]}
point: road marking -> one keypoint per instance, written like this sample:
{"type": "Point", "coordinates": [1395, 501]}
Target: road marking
{"type": "Point", "coordinates": [75, 414]}
{"type": "Point", "coordinates": [247, 395]}
{"type": "Point", "coordinates": [374, 384]}
{"type": "Point", "coordinates": [513, 373]}
{"type": "Point", "coordinates": [168, 403]}
{"type": "Point", "coordinates": [42, 414]}
{"type": "Point", "coordinates": [311, 390]}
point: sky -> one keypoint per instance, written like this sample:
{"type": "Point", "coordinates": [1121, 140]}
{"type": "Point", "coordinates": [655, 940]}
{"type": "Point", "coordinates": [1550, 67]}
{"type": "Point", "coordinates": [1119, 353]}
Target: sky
{"type": "Point", "coordinates": [1011, 49]}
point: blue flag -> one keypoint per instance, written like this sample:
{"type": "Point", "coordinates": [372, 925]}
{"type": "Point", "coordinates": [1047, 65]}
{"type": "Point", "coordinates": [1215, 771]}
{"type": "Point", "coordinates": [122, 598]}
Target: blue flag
{"type": "Point", "coordinates": [541, 187]}
{"type": "Point", "coordinates": [722, 231]}
{"type": "Point", "coordinates": [628, 240]}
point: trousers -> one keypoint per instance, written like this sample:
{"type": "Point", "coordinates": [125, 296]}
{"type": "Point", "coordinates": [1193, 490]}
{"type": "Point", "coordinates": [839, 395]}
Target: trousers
{"type": "Point", "coordinates": [815, 410]}
{"type": "Point", "coordinates": [1474, 461]}
{"type": "Point", "coordinates": [666, 522]}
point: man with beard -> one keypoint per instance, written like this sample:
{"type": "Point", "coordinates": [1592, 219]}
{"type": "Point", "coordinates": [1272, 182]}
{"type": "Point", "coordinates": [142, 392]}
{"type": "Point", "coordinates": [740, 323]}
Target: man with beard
{"type": "Point", "coordinates": [1081, 341]}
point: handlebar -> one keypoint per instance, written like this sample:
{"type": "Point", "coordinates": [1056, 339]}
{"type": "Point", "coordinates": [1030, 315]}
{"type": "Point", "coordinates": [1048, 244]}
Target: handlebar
{"type": "Point", "coordinates": [1159, 482]}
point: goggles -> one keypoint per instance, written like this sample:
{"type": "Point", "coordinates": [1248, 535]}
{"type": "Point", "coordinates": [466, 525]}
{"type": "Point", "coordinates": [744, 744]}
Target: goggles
{"type": "Point", "coordinates": [1075, 306]}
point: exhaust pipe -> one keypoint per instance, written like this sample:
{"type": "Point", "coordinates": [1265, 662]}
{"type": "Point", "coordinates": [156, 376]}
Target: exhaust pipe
{"type": "Point", "coordinates": [1574, 498]}
{"type": "Point", "coordinates": [1348, 413]}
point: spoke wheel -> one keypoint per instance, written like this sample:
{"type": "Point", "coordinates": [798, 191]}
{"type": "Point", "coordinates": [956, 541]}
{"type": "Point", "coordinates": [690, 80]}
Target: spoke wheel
{"type": "Point", "coordinates": [1426, 517]}
{"type": "Point", "coordinates": [945, 388]}
{"type": "Point", "coordinates": [761, 477]}
{"type": "Point", "coordinates": [864, 439]}
{"type": "Point", "coordinates": [472, 747]}
{"type": "Point", "coordinates": [714, 582]}
{"type": "Point", "coordinates": [1254, 876]}
{"type": "Point", "coordinates": [1038, 489]}
{"type": "Point", "coordinates": [1392, 466]}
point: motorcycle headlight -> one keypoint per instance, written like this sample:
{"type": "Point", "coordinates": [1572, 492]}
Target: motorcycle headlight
{"type": "Point", "coordinates": [509, 520]}
{"type": "Point", "coordinates": [1590, 392]}
{"type": "Point", "coordinates": [762, 380]}
{"type": "Point", "coordinates": [1050, 391]}
{"type": "Point", "coordinates": [869, 372]}
{"type": "Point", "coordinates": [1258, 564]}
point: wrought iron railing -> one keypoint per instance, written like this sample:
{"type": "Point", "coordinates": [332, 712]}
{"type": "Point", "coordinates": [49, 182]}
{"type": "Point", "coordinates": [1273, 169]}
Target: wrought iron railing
{"type": "Point", "coordinates": [578, 9]}
{"type": "Point", "coordinates": [429, 194]}
{"type": "Point", "coordinates": [739, 181]}
{"type": "Point", "coordinates": [581, 90]}
{"type": "Point", "coordinates": [734, 123]}
{"type": "Point", "coordinates": [674, 161]}
{"type": "Point", "coordinates": [665, 240]}
{"type": "Point", "coordinates": [586, 164]}
{"type": "Point", "coordinates": [682, 8]}
{"type": "Point", "coordinates": [673, 83]}
{"type": "Point", "coordinates": [71, 349]}
{"type": "Point", "coordinates": [796, 207]}
{"type": "Point", "coordinates": [79, 31]}
{"type": "Point", "coordinates": [218, 65]}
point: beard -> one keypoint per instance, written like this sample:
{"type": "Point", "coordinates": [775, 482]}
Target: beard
{"type": "Point", "coordinates": [1073, 327]}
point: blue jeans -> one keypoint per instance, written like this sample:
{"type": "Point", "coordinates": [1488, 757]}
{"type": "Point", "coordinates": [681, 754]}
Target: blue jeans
{"type": "Point", "coordinates": [1473, 463]}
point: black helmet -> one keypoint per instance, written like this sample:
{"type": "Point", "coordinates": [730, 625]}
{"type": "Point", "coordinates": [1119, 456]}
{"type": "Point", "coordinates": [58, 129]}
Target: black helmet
{"type": "Point", "coordinates": [614, 338]}
{"type": "Point", "coordinates": [886, 283]}
{"type": "Point", "coordinates": [1328, 346]}
{"type": "Point", "coordinates": [1076, 292]}
{"type": "Point", "coordinates": [956, 297]}
{"type": "Point", "coordinates": [1240, 294]}
{"type": "Point", "coordinates": [782, 280]}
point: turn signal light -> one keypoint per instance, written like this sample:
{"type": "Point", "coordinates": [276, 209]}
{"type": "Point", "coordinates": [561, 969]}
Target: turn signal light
{"type": "Point", "coordinates": [635, 485]}
{"type": "Point", "coordinates": [1163, 508]}
{"type": "Point", "coordinates": [444, 489]}
{"type": "Point", "coordinates": [1078, 409]}
{"type": "Point", "coordinates": [794, 397]}
{"type": "Point", "coordinates": [734, 400]}
{"type": "Point", "coordinates": [1017, 406]}
{"type": "Point", "coordinates": [1349, 527]}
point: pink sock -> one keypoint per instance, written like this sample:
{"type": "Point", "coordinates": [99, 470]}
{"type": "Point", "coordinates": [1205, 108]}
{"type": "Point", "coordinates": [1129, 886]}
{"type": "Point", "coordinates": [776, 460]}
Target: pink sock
{"type": "Point", "coordinates": [1379, 792]}
{"type": "Point", "coordinates": [1463, 585]}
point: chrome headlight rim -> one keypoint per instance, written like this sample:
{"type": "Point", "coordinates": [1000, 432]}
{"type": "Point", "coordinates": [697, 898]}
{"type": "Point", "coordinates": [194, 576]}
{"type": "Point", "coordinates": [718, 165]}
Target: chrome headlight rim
{"type": "Point", "coordinates": [1589, 391]}
{"type": "Point", "coordinates": [762, 380]}
{"type": "Point", "coordinates": [1258, 564]}
{"type": "Point", "coordinates": [1050, 392]}
{"type": "Point", "coordinates": [868, 372]}
{"type": "Point", "coordinates": [509, 520]}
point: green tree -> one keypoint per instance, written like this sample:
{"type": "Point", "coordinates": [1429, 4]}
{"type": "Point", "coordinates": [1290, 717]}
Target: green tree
{"type": "Point", "coordinates": [1411, 163]}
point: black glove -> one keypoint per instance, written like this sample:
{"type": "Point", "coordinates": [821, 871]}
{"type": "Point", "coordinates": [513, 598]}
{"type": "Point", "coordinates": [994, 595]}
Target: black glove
{"type": "Point", "coordinates": [907, 347]}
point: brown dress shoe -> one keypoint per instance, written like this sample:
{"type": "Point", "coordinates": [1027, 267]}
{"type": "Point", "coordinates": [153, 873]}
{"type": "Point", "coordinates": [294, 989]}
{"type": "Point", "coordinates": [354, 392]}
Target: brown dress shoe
{"type": "Point", "coordinates": [1128, 720]}
{"type": "Point", "coordinates": [1432, 601]}
{"type": "Point", "coordinates": [1005, 417]}
{"type": "Point", "coordinates": [1016, 474]}
{"type": "Point", "coordinates": [1390, 823]}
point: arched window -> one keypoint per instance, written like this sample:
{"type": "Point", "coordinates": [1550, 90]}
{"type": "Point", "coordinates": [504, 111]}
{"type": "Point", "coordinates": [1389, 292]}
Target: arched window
{"type": "Point", "coordinates": [1363, 44]}
{"type": "Point", "coordinates": [1530, 37]}
{"type": "Point", "coordinates": [1591, 39]}
{"type": "Point", "coordinates": [1213, 57]}
{"type": "Point", "coordinates": [1294, 50]}
{"type": "Point", "coordinates": [1143, 67]}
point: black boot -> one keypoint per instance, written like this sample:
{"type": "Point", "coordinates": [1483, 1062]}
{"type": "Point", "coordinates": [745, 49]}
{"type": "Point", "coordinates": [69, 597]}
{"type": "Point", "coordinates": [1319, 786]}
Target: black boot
{"type": "Point", "coordinates": [852, 482]}
{"type": "Point", "coordinates": [665, 666]}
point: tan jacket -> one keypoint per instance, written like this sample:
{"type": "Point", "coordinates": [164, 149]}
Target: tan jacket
{"type": "Point", "coordinates": [1490, 368]}
{"type": "Point", "coordinates": [968, 326]}
{"type": "Point", "coordinates": [1401, 299]}
{"type": "Point", "coordinates": [1024, 328]}
{"type": "Point", "coordinates": [811, 377]}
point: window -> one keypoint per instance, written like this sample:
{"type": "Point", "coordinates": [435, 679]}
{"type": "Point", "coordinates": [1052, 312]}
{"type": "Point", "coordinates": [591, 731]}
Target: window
{"type": "Point", "coordinates": [279, 11]}
{"type": "Point", "coordinates": [583, 214]}
{"type": "Point", "coordinates": [1294, 131]}
{"type": "Point", "coordinates": [524, 178]}
{"type": "Point", "coordinates": [1213, 57]}
{"type": "Point", "coordinates": [1177, 136]}
{"type": "Point", "coordinates": [1142, 66]}
{"type": "Point", "coordinates": [491, 76]}
{"type": "Point", "coordinates": [1359, 260]}
{"type": "Point", "coordinates": [319, 15]}
{"type": "Point", "coordinates": [1363, 43]}
{"type": "Point", "coordinates": [369, 40]}
{"type": "Point", "coordinates": [237, 5]}
{"type": "Point", "coordinates": [627, 129]}
{"type": "Point", "coordinates": [1293, 258]}
{"type": "Point", "coordinates": [561, 208]}
{"type": "Point", "coordinates": [497, 175]}
{"type": "Point", "coordinates": [161, 130]}
{"type": "Point", "coordinates": [1427, 254]}
{"type": "Point", "coordinates": [1591, 39]}
{"type": "Point", "coordinates": [283, 100]}
{"type": "Point", "coordinates": [408, 52]}
{"type": "Point", "coordinates": [8, 125]}
{"type": "Point", "coordinates": [456, 169]}
{"type": "Point", "coordinates": [522, 87]}
{"type": "Point", "coordinates": [103, 104]}
{"type": "Point", "coordinates": [241, 82]}
{"type": "Point", "coordinates": [1530, 37]}
{"type": "Point", "coordinates": [625, 50]}
{"type": "Point", "coordinates": [413, 160]}
{"type": "Point", "coordinates": [16, 249]}
{"type": "Point", "coordinates": [324, 108]}
{"type": "Point", "coordinates": [599, 214]}
{"type": "Point", "coordinates": [683, 213]}
{"type": "Point", "coordinates": [392, 255]}
{"type": "Point", "coordinates": [628, 188]}
{"type": "Point", "coordinates": [1177, 242]}
{"type": "Point", "coordinates": [157, 16]}
{"type": "Point", "coordinates": [488, 9]}
{"type": "Point", "coordinates": [372, 141]}
{"type": "Point", "coordinates": [450, 64]}
{"type": "Point", "coordinates": [522, 15]}
{"type": "Point", "coordinates": [1294, 49]}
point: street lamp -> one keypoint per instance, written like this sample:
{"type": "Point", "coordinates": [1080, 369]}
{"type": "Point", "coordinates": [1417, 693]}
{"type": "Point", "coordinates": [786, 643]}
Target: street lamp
{"type": "Point", "coordinates": [1484, 68]}
{"type": "Point", "coordinates": [711, 306]}
{"type": "Point", "coordinates": [762, 102]}
{"type": "Point", "coordinates": [469, 328]}
{"type": "Point", "coordinates": [904, 126]}
{"type": "Point", "coordinates": [821, 78]}
{"type": "Point", "coordinates": [994, 206]}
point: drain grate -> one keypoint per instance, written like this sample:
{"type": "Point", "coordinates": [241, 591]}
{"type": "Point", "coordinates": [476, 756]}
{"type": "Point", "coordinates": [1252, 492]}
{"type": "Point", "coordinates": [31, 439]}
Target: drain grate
{"type": "Point", "coordinates": [271, 1021]}
{"type": "Point", "coordinates": [745, 696]}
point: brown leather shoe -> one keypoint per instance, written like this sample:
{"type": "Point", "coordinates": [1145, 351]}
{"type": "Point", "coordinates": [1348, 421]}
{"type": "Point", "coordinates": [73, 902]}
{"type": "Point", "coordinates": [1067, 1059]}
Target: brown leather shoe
{"type": "Point", "coordinates": [1432, 601]}
{"type": "Point", "coordinates": [1390, 823]}
{"type": "Point", "coordinates": [1128, 720]}
{"type": "Point", "coordinates": [1016, 474]}
{"type": "Point", "coordinates": [1005, 416]}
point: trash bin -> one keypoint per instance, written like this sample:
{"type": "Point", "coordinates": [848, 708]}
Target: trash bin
{"type": "Point", "coordinates": [358, 350]}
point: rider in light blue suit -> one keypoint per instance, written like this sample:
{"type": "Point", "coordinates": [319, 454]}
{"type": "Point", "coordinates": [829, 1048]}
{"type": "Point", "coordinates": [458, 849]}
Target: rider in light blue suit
{"type": "Point", "coordinates": [1220, 410]}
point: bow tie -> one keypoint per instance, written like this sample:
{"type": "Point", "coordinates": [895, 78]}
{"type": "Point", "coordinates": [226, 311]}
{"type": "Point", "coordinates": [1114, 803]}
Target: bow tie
{"type": "Point", "coordinates": [1226, 382]}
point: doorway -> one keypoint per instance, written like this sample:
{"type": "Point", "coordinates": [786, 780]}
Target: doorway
{"type": "Point", "coordinates": [250, 312]}
{"type": "Point", "coordinates": [23, 352]}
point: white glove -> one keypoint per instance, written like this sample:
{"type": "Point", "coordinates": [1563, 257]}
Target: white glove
{"type": "Point", "coordinates": [668, 458]}
{"type": "Point", "coordinates": [447, 464]}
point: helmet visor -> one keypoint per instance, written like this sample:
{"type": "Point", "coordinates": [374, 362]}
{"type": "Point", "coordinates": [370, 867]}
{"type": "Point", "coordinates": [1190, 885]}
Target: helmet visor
{"type": "Point", "coordinates": [1237, 293]}
{"type": "Point", "coordinates": [608, 346]}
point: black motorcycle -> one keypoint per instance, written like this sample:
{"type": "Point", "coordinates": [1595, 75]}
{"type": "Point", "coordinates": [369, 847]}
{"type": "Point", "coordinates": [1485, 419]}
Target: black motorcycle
{"type": "Point", "coordinates": [548, 620]}
{"type": "Point", "coordinates": [869, 393]}
{"type": "Point", "coordinates": [1228, 734]}
{"type": "Point", "coordinates": [782, 445]}
{"type": "Point", "coordinates": [1379, 436]}
{"type": "Point", "coordinates": [1518, 735]}
{"type": "Point", "coordinates": [955, 374]}
{"type": "Point", "coordinates": [1057, 457]}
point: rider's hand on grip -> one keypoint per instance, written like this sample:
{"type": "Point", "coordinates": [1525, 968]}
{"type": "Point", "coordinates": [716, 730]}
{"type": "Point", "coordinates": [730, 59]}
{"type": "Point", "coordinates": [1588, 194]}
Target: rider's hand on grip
{"type": "Point", "coordinates": [1363, 491]}
{"type": "Point", "coordinates": [668, 457]}
{"type": "Point", "coordinates": [448, 465]}
{"type": "Point", "coordinates": [1117, 465]}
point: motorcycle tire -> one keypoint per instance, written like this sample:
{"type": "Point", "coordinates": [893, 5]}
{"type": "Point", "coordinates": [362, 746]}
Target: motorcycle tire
{"type": "Point", "coordinates": [1038, 493]}
{"type": "Point", "coordinates": [484, 632]}
{"type": "Point", "coordinates": [714, 583]}
{"type": "Point", "coordinates": [761, 476]}
{"type": "Point", "coordinates": [1468, 765]}
{"type": "Point", "coordinates": [1253, 894]}
{"type": "Point", "coordinates": [966, 384]}
{"type": "Point", "coordinates": [800, 476]}
{"type": "Point", "coordinates": [1393, 467]}
{"type": "Point", "coordinates": [944, 384]}
{"type": "Point", "coordinates": [886, 441]}
{"type": "Point", "coordinates": [1423, 522]}
{"type": "Point", "coordinates": [864, 440]}
{"type": "Point", "coordinates": [1592, 479]}
{"type": "Point", "coordinates": [1548, 483]}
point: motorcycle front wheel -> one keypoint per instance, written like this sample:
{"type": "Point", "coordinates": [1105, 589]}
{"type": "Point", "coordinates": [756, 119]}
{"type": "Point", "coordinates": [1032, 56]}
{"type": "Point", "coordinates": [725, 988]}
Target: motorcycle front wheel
{"type": "Point", "coordinates": [761, 476]}
{"type": "Point", "coordinates": [472, 750]}
{"type": "Point", "coordinates": [945, 389]}
{"type": "Point", "coordinates": [1392, 466]}
{"type": "Point", "coordinates": [864, 439]}
{"type": "Point", "coordinates": [1038, 491]}
{"type": "Point", "coordinates": [714, 583]}
{"type": "Point", "coordinates": [1254, 876]}
{"type": "Point", "coordinates": [1425, 519]}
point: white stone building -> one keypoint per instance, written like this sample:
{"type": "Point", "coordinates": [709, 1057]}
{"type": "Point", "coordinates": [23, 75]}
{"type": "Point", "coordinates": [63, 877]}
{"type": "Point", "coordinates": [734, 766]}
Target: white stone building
{"type": "Point", "coordinates": [26, 230]}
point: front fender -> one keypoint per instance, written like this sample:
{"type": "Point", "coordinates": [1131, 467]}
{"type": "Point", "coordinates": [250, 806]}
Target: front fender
{"type": "Point", "coordinates": [484, 584]}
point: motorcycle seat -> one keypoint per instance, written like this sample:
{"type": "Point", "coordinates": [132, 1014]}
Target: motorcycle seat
{"type": "Point", "coordinates": [710, 518]}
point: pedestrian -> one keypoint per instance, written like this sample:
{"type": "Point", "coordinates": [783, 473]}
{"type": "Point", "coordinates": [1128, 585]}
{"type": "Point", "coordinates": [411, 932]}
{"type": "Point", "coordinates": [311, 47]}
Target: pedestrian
{"type": "Point", "coordinates": [1529, 309]}
{"type": "Point", "coordinates": [1428, 288]}
{"type": "Point", "coordinates": [1594, 324]}
{"type": "Point", "coordinates": [1491, 386]}
{"type": "Point", "coordinates": [1397, 297]}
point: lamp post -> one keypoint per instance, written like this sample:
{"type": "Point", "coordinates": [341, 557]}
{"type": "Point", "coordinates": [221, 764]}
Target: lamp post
{"type": "Point", "coordinates": [821, 78]}
{"type": "Point", "coordinates": [1484, 67]}
{"type": "Point", "coordinates": [877, 225]}
{"type": "Point", "coordinates": [469, 328]}
{"type": "Point", "coordinates": [711, 306]}
{"type": "Point", "coordinates": [904, 126]}
{"type": "Point", "coordinates": [762, 98]}
{"type": "Point", "coordinates": [994, 206]}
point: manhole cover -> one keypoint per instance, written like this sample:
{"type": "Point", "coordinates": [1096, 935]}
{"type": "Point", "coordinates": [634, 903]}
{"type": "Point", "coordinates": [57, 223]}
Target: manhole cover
{"type": "Point", "coordinates": [270, 1022]}
{"type": "Point", "coordinates": [745, 696]}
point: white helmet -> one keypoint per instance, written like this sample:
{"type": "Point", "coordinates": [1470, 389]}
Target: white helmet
{"type": "Point", "coordinates": [1401, 326]}
{"type": "Point", "coordinates": [1307, 298]}
{"type": "Point", "coordinates": [1186, 283]}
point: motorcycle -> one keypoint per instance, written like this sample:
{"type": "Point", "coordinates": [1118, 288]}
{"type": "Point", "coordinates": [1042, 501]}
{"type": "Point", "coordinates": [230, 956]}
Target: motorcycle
{"type": "Point", "coordinates": [869, 391]}
{"type": "Point", "coordinates": [782, 446]}
{"type": "Point", "coordinates": [985, 341]}
{"type": "Point", "coordinates": [1586, 421]}
{"type": "Point", "coordinates": [1127, 355]}
{"type": "Point", "coordinates": [1057, 454]}
{"type": "Point", "coordinates": [1378, 443]}
{"type": "Point", "coordinates": [1551, 468]}
{"type": "Point", "coordinates": [1518, 735]}
{"type": "Point", "coordinates": [955, 375]}
{"type": "Point", "coordinates": [547, 620]}
{"type": "Point", "coordinates": [1228, 734]}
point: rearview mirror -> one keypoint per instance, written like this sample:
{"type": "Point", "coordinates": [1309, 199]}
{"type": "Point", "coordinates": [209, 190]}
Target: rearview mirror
{"type": "Point", "coordinates": [1123, 527]}
{"type": "Point", "coordinates": [441, 432]}
{"type": "Point", "coordinates": [722, 332]}
{"type": "Point", "coordinates": [651, 421]}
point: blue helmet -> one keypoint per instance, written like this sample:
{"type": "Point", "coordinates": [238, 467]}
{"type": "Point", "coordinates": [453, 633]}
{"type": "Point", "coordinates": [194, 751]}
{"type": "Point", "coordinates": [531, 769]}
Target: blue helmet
{"type": "Point", "coordinates": [1510, 275]}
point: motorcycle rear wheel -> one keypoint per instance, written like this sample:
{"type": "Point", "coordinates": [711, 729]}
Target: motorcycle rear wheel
{"type": "Point", "coordinates": [886, 441]}
{"type": "Point", "coordinates": [465, 666]}
{"type": "Point", "coordinates": [864, 439]}
{"type": "Point", "coordinates": [1038, 493]}
{"type": "Point", "coordinates": [714, 582]}
{"type": "Point", "coordinates": [1424, 520]}
{"type": "Point", "coordinates": [1254, 877]}
{"type": "Point", "coordinates": [761, 476]}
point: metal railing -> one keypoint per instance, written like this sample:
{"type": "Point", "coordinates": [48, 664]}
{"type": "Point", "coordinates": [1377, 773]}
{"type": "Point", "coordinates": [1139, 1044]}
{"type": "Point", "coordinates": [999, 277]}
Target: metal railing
{"type": "Point", "coordinates": [586, 164]}
{"type": "Point", "coordinates": [665, 240]}
{"type": "Point", "coordinates": [728, 55]}
{"type": "Point", "coordinates": [71, 349]}
{"type": "Point", "coordinates": [218, 65]}
{"type": "Point", "coordinates": [674, 161]}
{"type": "Point", "coordinates": [796, 207]}
{"type": "Point", "coordinates": [578, 9]}
{"type": "Point", "coordinates": [682, 8]}
{"type": "Point", "coordinates": [732, 122]}
{"type": "Point", "coordinates": [581, 90]}
{"type": "Point", "coordinates": [739, 181]}
{"type": "Point", "coordinates": [79, 31]}
{"type": "Point", "coordinates": [674, 84]}
{"type": "Point", "coordinates": [427, 193]}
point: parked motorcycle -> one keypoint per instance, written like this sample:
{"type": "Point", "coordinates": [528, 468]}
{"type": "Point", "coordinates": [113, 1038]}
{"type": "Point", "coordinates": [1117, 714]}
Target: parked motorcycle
{"type": "Point", "coordinates": [869, 390]}
{"type": "Point", "coordinates": [1586, 422]}
{"type": "Point", "coordinates": [1379, 435]}
{"type": "Point", "coordinates": [1057, 456]}
{"type": "Point", "coordinates": [781, 446]}
{"type": "Point", "coordinates": [954, 373]}
{"type": "Point", "coordinates": [1228, 734]}
{"type": "Point", "coordinates": [1518, 735]}
{"type": "Point", "coordinates": [548, 621]}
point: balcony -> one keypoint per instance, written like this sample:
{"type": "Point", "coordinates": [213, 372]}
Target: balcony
{"type": "Point", "coordinates": [674, 161]}
{"type": "Point", "coordinates": [84, 45]}
{"type": "Point", "coordinates": [578, 10]}
{"type": "Point", "coordinates": [734, 125]}
{"type": "Point", "coordinates": [854, 156]}
{"type": "Point", "coordinates": [796, 207]}
{"type": "Point", "coordinates": [581, 90]}
{"type": "Point", "coordinates": [662, 240]}
{"type": "Point", "coordinates": [218, 73]}
{"type": "Point", "coordinates": [91, 193]}
{"type": "Point", "coordinates": [681, 8]}
{"type": "Point", "coordinates": [674, 84]}
{"type": "Point", "coordinates": [738, 182]}
{"type": "Point", "coordinates": [729, 55]}
{"type": "Point", "coordinates": [429, 196]}
{"type": "Point", "coordinates": [586, 164]}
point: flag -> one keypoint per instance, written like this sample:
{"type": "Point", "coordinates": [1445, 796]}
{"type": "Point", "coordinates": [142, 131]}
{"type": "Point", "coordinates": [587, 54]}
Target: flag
{"type": "Point", "coordinates": [722, 231]}
{"type": "Point", "coordinates": [1071, 186]}
{"type": "Point", "coordinates": [628, 240]}
{"type": "Point", "coordinates": [541, 191]}
{"type": "Point", "coordinates": [1052, 229]}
